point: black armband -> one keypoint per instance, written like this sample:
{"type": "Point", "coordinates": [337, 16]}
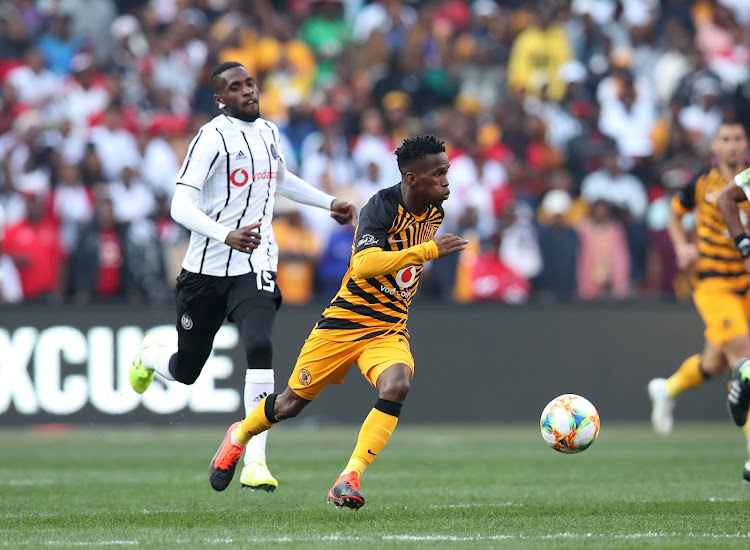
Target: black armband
{"type": "Point", "coordinates": [742, 242]}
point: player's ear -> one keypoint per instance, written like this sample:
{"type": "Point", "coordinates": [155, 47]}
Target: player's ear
{"type": "Point", "coordinates": [218, 101]}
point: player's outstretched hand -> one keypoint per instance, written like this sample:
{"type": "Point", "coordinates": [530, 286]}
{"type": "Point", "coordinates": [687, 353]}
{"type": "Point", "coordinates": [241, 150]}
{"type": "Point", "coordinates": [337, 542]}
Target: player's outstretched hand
{"type": "Point", "coordinates": [245, 239]}
{"type": "Point", "coordinates": [343, 212]}
{"type": "Point", "coordinates": [448, 244]}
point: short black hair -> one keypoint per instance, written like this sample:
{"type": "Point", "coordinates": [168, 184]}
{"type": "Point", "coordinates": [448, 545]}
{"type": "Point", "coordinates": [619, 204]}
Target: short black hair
{"type": "Point", "coordinates": [220, 69]}
{"type": "Point", "coordinates": [416, 148]}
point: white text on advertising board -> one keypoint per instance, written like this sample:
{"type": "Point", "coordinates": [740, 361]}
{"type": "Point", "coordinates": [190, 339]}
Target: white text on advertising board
{"type": "Point", "coordinates": [59, 370]}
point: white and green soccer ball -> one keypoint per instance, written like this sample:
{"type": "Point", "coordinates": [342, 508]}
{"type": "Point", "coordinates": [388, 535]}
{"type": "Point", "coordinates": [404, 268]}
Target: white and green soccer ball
{"type": "Point", "coordinates": [569, 423]}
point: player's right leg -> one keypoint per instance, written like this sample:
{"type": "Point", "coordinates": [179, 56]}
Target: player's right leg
{"type": "Point", "coordinates": [141, 372]}
{"type": "Point", "coordinates": [200, 313]}
{"type": "Point", "coordinates": [738, 399]}
{"type": "Point", "coordinates": [693, 372]}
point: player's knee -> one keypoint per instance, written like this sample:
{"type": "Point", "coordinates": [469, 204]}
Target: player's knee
{"type": "Point", "coordinates": [288, 406]}
{"type": "Point", "coordinates": [395, 390]}
{"type": "Point", "coordinates": [259, 352]}
{"type": "Point", "coordinates": [184, 378]}
{"type": "Point", "coordinates": [185, 368]}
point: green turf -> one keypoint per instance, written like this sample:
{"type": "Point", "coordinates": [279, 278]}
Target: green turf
{"type": "Point", "coordinates": [436, 487]}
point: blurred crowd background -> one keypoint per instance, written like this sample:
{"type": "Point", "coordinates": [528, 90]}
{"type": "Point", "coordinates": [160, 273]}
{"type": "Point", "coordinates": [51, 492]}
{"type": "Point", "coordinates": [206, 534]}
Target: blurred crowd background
{"type": "Point", "coordinates": [569, 126]}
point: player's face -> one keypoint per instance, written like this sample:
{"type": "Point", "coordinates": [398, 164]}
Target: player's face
{"type": "Point", "coordinates": [431, 177]}
{"type": "Point", "coordinates": [730, 145]}
{"type": "Point", "coordinates": [239, 92]}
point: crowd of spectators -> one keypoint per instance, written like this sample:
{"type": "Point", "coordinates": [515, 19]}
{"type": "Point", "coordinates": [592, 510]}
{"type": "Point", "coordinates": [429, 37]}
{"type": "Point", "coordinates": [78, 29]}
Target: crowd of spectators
{"type": "Point", "coordinates": [569, 125]}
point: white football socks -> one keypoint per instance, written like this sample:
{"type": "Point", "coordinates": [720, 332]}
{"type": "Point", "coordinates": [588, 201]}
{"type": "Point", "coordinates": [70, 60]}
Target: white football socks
{"type": "Point", "coordinates": [157, 359]}
{"type": "Point", "coordinates": [258, 384]}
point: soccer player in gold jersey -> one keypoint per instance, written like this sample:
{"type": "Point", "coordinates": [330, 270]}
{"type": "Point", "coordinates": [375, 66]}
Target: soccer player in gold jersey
{"type": "Point", "coordinates": [365, 322]}
{"type": "Point", "coordinates": [720, 290]}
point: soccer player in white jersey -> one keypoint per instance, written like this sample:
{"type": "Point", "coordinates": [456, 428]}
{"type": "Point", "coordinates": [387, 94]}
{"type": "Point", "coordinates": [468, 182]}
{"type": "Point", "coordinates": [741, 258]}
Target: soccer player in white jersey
{"type": "Point", "coordinates": [225, 197]}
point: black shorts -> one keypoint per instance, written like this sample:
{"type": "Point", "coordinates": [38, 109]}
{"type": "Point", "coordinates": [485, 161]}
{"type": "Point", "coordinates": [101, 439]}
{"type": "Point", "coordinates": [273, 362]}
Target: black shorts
{"type": "Point", "coordinates": [204, 301]}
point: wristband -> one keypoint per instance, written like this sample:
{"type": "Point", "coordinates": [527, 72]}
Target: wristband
{"type": "Point", "coordinates": [742, 242]}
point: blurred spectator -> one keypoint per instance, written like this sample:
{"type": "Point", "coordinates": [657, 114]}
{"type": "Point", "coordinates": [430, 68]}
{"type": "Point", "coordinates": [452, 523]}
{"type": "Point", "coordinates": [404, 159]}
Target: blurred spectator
{"type": "Point", "coordinates": [327, 33]}
{"type": "Point", "coordinates": [11, 290]}
{"type": "Point", "coordinates": [663, 276]}
{"type": "Point", "coordinates": [72, 204]}
{"type": "Point", "coordinates": [13, 38]}
{"type": "Point", "coordinates": [558, 243]}
{"type": "Point", "coordinates": [299, 249]}
{"type": "Point", "coordinates": [60, 45]}
{"type": "Point", "coordinates": [83, 95]}
{"type": "Point", "coordinates": [519, 248]}
{"type": "Point", "coordinates": [92, 19]}
{"type": "Point", "coordinates": [538, 53]}
{"type": "Point", "coordinates": [616, 187]}
{"type": "Point", "coordinates": [96, 265]}
{"type": "Point", "coordinates": [34, 83]}
{"type": "Point", "coordinates": [493, 280]}
{"type": "Point", "coordinates": [115, 146]}
{"type": "Point", "coordinates": [132, 199]}
{"type": "Point", "coordinates": [629, 120]}
{"type": "Point", "coordinates": [334, 261]}
{"type": "Point", "coordinates": [392, 18]}
{"type": "Point", "coordinates": [371, 146]}
{"type": "Point", "coordinates": [702, 118]}
{"type": "Point", "coordinates": [34, 244]}
{"type": "Point", "coordinates": [603, 264]}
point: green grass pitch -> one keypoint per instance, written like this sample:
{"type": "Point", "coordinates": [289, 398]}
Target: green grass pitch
{"type": "Point", "coordinates": [432, 487]}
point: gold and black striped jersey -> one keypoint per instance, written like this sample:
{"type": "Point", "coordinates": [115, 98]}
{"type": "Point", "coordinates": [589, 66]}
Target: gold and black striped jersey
{"type": "Point", "coordinates": [370, 307]}
{"type": "Point", "coordinates": [719, 261]}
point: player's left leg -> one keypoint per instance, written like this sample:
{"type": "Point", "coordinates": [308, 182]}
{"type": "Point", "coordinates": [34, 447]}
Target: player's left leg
{"type": "Point", "coordinates": [255, 327]}
{"type": "Point", "coordinates": [321, 362]}
{"type": "Point", "coordinates": [252, 302]}
{"type": "Point", "coordinates": [388, 365]}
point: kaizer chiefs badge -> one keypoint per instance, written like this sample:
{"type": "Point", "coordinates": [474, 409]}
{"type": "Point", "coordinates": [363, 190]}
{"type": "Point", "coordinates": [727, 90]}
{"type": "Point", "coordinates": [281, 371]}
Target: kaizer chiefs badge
{"type": "Point", "coordinates": [305, 377]}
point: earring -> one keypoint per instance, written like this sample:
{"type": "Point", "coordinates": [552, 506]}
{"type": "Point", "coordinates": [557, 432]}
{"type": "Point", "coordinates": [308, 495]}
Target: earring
{"type": "Point", "coordinates": [221, 105]}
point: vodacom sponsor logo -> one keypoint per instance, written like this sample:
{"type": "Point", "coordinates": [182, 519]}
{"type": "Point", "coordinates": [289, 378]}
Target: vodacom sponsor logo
{"type": "Point", "coordinates": [239, 177]}
{"type": "Point", "coordinates": [406, 276]}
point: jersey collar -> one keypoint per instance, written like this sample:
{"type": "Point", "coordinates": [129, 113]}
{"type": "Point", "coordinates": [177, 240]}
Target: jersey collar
{"type": "Point", "coordinates": [242, 123]}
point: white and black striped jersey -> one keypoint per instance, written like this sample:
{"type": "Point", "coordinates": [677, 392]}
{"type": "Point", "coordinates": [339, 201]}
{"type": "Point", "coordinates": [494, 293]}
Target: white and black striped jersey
{"type": "Point", "coordinates": [234, 164]}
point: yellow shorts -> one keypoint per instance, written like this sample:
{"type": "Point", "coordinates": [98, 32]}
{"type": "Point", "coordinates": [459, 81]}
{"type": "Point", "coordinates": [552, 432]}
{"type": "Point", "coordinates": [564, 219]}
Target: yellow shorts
{"type": "Point", "coordinates": [322, 362]}
{"type": "Point", "coordinates": [724, 313]}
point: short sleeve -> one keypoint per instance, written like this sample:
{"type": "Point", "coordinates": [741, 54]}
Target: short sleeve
{"type": "Point", "coordinates": [375, 219]}
{"type": "Point", "coordinates": [684, 201]}
{"type": "Point", "coordinates": [742, 180]}
{"type": "Point", "coordinates": [201, 160]}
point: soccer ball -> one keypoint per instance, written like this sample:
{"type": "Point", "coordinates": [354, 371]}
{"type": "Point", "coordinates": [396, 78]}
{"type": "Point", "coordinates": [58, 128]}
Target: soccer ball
{"type": "Point", "coordinates": [569, 423]}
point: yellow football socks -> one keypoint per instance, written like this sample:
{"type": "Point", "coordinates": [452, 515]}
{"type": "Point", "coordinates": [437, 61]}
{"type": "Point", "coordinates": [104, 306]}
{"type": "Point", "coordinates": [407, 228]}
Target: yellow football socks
{"type": "Point", "coordinates": [689, 375]}
{"type": "Point", "coordinates": [255, 423]}
{"type": "Point", "coordinates": [374, 434]}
